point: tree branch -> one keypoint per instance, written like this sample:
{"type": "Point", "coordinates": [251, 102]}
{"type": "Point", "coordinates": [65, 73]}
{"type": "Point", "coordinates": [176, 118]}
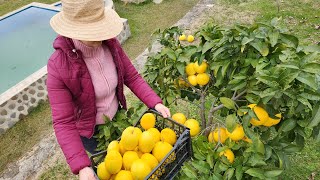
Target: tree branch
{"type": "Point", "coordinates": [214, 109]}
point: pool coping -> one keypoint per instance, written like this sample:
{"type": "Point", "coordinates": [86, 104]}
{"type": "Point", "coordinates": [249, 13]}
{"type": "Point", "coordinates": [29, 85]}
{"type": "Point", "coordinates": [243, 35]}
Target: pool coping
{"type": "Point", "coordinates": [20, 86]}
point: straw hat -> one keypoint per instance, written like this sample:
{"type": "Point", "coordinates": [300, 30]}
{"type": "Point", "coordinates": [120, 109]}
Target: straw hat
{"type": "Point", "coordinates": [86, 20]}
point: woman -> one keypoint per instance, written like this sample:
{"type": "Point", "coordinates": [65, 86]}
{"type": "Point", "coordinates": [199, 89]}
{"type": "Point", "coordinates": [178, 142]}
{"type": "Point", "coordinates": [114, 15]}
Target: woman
{"type": "Point", "coordinates": [86, 74]}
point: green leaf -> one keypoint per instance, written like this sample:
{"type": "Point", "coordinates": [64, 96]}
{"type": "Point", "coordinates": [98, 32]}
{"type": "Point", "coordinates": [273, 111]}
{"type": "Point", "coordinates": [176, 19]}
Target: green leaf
{"type": "Point", "coordinates": [169, 52]}
{"type": "Point", "coordinates": [272, 173]}
{"type": "Point", "coordinates": [289, 40]}
{"type": "Point", "coordinates": [256, 172]}
{"type": "Point", "coordinates": [270, 81]}
{"type": "Point", "coordinates": [274, 36]}
{"type": "Point", "coordinates": [252, 98]}
{"type": "Point", "coordinates": [308, 79]}
{"type": "Point", "coordinates": [246, 40]}
{"type": "Point", "coordinates": [189, 171]}
{"type": "Point", "coordinates": [181, 68]}
{"type": "Point", "coordinates": [201, 166]}
{"type": "Point", "coordinates": [288, 125]}
{"type": "Point", "coordinates": [312, 68]}
{"type": "Point", "coordinates": [315, 120]}
{"type": "Point", "coordinates": [292, 148]}
{"type": "Point", "coordinates": [304, 102]}
{"type": "Point", "coordinates": [227, 102]}
{"type": "Point", "coordinates": [210, 160]}
{"type": "Point", "coordinates": [239, 172]}
{"type": "Point", "coordinates": [261, 47]}
{"type": "Point", "coordinates": [228, 174]}
{"type": "Point", "coordinates": [207, 45]}
{"type": "Point", "coordinates": [231, 122]}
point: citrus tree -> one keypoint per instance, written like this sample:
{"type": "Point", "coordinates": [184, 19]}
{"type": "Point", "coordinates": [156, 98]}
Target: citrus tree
{"type": "Point", "coordinates": [257, 90]}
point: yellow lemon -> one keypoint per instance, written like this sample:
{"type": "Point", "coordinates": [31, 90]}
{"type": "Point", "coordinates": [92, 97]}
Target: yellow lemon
{"type": "Point", "coordinates": [183, 37]}
{"type": "Point", "coordinates": [150, 159]}
{"type": "Point", "coordinates": [128, 158]}
{"type": "Point", "coordinates": [190, 69]}
{"type": "Point", "coordinates": [124, 175]}
{"type": "Point", "coordinates": [200, 68]}
{"type": "Point", "coordinates": [114, 145]}
{"type": "Point", "coordinates": [146, 142]}
{"type": "Point", "coordinates": [148, 120]}
{"type": "Point", "coordinates": [168, 135]}
{"type": "Point", "coordinates": [190, 38]}
{"type": "Point", "coordinates": [261, 114]}
{"type": "Point", "coordinates": [220, 135]}
{"type": "Point", "coordinates": [194, 126]}
{"type": "Point", "coordinates": [113, 162]}
{"type": "Point", "coordinates": [210, 137]}
{"type": "Point", "coordinates": [130, 138]}
{"type": "Point", "coordinates": [140, 169]}
{"type": "Point", "coordinates": [161, 149]}
{"type": "Point", "coordinates": [179, 117]}
{"type": "Point", "coordinates": [237, 134]}
{"type": "Point", "coordinates": [271, 121]}
{"type": "Point", "coordinates": [203, 79]}
{"type": "Point", "coordinates": [102, 172]}
{"type": "Point", "coordinates": [121, 148]}
{"type": "Point", "coordinates": [228, 154]}
{"type": "Point", "coordinates": [155, 134]}
{"type": "Point", "coordinates": [193, 80]}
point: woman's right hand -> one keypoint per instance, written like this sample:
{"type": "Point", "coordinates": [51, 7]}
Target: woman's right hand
{"type": "Point", "coordinates": [87, 174]}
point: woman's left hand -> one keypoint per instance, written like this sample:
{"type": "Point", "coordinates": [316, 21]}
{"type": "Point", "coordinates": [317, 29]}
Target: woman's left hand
{"type": "Point", "coordinates": [163, 110]}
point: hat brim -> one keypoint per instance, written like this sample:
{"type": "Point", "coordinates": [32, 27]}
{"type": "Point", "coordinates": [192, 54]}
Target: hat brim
{"type": "Point", "coordinates": [108, 27]}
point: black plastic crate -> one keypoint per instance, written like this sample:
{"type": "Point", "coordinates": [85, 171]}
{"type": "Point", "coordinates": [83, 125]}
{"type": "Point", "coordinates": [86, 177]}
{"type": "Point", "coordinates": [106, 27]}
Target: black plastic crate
{"type": "Point", "coordinates": [171, 164]}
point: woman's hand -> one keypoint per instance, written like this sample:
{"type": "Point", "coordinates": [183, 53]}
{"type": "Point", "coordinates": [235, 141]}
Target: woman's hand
{"type": "Point", "coordinates": [163, 110]}
{"type": "Point", "coordinates": [87, 174]}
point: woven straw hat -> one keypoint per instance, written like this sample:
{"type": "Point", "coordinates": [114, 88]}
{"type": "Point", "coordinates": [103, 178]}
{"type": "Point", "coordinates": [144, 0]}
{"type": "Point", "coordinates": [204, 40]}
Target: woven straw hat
{"type": "Point", "coordinates": [86, 20]}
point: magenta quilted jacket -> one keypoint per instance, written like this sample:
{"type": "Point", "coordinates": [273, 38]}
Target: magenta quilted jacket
{"type": "Point", "coordinates": [72, 98]}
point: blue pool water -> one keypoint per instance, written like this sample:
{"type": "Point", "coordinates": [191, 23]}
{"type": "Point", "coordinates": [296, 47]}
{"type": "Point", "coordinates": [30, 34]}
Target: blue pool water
{"type": "Point", "coordinates": [25, 44]}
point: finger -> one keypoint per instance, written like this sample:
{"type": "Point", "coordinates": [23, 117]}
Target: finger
{"type": "Point", "coordinates": [168, 112]}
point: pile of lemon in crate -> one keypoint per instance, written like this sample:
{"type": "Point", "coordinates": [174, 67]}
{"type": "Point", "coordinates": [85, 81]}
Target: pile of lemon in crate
{"type": "Point", "coordinates": [139, 152]}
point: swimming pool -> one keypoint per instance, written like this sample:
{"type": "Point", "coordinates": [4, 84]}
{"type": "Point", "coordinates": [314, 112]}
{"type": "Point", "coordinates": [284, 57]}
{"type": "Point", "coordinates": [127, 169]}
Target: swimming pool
{"type": "Point", "coordinates": [26, 44]}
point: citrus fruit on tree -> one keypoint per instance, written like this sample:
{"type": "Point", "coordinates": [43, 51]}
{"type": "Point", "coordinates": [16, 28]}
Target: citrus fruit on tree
{"type": "Point", "coordinates": [220, 135]}
{"type": "Point", "coordinates": [261, 114]}
{"type": "Point", "coordinates": [113, 162]}
{"type": "Point", "coordinates": [148, 120]}
{"type": "Point", "coordinates": [114, 145]}
{"type": "Point", "coordinates": [168, 135]}
{"type": "Point", "coordinates": [155, 134]}
{"type": "Point", "coordinates": [210, 137]}
{"type": "Point", "coordinates": [190, 38]}
{"type": "Point", "coordinates": [179, 117]}
{"type": "Point", "coordinates": [146, 142]}
{"type": "Point", "coordinates": [194, 126]}
{"type": "Point", "coordinates": [203, 79]}
{"type": "Point", "coordinates": [271, 121]}
{"type": "Point", "coordinates": [124, 175]}
{"type": "Point", "coordinates": [190, 69]}
{"type": "Point", "coordinates": [161, 149]}
{"type": "Point", "coordinates": [102, 172]}
{"type": "Point", "coordinates": [200, 68]}
{"type": "Point", "coordinates": [128, 158]}
{"type": "Point", "coordinates": [130, 138]}
{"type": "Point", "coordinates": [140, 169]}
{"type": "Point", "coordinates": [237, 134]}
{"type": "Point", "coordinates": [150, 159]}
{"type": "Point", "coordinates": [182, 37]}
{"type": "Point", "coordinates": [192, 79]}
{"type": "Point", "coordinates": [228, 154]}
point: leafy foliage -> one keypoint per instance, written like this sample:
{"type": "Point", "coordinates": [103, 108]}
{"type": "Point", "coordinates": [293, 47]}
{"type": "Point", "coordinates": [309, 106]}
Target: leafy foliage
{"type": "Point", "coordinates": [112, 130]}
{"type": "Point", "coordinates": [259, 64]}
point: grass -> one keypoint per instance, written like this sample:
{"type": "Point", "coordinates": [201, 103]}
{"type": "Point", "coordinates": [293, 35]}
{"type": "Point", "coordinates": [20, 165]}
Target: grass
{"type": "Point", "coordinates": [60, 171]}
{"type": "Point", "coordinates": [7, 6]}
{"type": "Point", "coordinates": [29, 130]}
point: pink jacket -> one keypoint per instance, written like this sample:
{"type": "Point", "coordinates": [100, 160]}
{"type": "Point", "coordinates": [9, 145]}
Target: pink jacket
{"type": "Point", "coordinates": [72, 98]}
